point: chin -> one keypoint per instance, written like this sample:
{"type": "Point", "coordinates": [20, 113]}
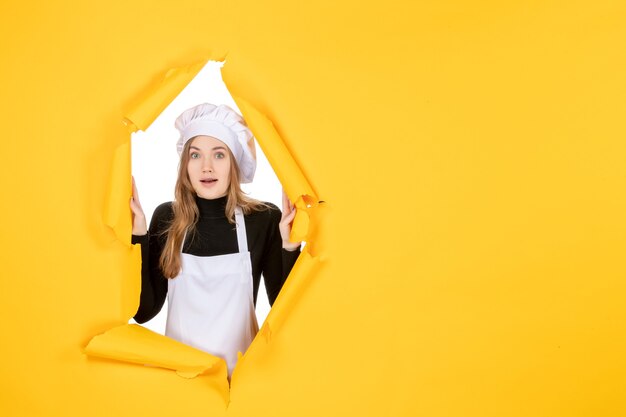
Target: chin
{"type": "Point", "coordinates": [210, 196]}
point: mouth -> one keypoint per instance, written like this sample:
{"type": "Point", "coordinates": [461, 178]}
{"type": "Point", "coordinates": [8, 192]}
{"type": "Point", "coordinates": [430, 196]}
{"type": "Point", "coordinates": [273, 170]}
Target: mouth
{"type": "Point", "coordinates": [208, 181]}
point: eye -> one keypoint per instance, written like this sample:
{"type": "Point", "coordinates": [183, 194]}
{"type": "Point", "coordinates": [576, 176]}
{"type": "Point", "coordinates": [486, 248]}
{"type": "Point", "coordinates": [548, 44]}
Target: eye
{"type": "Point", "coordinates": [220, 155]}
{"type": "Point", "coordinates": [195, 155]}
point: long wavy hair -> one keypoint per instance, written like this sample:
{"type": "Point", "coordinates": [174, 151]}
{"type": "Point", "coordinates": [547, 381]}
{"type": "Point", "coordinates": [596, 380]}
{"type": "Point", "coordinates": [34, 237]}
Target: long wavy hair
{"type": "Point", "coordinates": [186, 211]}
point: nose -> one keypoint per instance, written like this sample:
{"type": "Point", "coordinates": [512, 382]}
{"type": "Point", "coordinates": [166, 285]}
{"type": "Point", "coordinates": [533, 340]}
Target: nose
{"type": "Point", "coordinates": [207, 166]}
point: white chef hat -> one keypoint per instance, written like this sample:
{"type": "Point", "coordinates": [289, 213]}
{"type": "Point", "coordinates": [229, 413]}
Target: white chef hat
{"type": "Point", "coordinates": [223, 123]}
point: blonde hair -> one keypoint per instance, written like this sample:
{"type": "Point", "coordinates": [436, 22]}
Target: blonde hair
{"type": "Point", "coordinates": [186, 211]}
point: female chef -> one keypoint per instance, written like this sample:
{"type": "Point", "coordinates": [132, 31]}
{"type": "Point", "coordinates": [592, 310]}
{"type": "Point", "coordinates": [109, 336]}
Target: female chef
{"type": "Point", "coordinates": [207, 249]}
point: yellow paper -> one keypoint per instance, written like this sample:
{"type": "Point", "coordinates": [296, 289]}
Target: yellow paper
{"type": "Point", "coordinates": [158, 98]}
{"type": "Point", "coordinates": [287, 171]}
{"type": "Point", "coordinates": [468, 259]}
{"type": "Point", "coordinates": [117, 202]}
{"type": "Point", "coordinates": [291, 177]}
{"type": "Point", "coordinates": [133, 343]}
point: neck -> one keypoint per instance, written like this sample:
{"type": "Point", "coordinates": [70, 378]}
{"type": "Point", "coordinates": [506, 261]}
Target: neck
{"type": "Point", "coordinates": [212, 208]}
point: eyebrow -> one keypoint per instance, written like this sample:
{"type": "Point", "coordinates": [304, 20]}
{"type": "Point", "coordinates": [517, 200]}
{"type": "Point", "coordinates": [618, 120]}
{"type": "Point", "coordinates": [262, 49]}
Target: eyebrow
{"type": "Point", "coordinates": [216, 148]}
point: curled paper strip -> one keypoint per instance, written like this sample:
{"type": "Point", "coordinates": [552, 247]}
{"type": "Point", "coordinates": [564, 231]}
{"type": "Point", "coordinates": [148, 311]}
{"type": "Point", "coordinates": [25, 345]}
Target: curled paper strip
{"type": "Point", "coordinates": [116, 208]}
{"type": "Point", "coordinates": [136, 344]}
{"type": "Point", "coordinates": [157, 99]}
{"type": "Point", "coordinates": [301, 272]}
{"type": "Point", "coordinates": [296, 186]}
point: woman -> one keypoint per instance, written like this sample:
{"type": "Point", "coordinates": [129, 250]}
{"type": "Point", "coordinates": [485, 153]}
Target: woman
{"type": "Point", "coordinates": [206, 250]}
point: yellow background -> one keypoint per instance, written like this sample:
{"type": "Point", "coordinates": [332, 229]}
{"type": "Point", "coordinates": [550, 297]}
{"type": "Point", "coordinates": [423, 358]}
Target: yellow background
{"type": "Point", "coordinates": [471, 159]}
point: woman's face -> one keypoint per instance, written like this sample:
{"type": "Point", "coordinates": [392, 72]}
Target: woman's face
{"type": "Point", "coordinates": [209, 167]}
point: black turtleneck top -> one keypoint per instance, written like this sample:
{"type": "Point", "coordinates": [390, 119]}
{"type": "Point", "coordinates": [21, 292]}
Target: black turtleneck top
{"type": "Point", "coordinates": [214, 235]}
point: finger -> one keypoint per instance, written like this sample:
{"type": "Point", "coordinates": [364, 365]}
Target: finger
{"type": "Point", "coordinates": [135, 192]}
{"type": "Point", "coordinates": [289, 218]}
{"type": "Point", "coordinates": [285, 201]}
{"type": "Point", "coordinates": [135, 197]}
{"type": "Point", "coordinates": [134, 206]}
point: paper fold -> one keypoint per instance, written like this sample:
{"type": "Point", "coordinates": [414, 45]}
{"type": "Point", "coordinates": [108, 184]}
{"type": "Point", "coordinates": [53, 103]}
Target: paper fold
{"type": "Point", "coordinates": [136, 344]}
{"type": "Point", "coordinates": [301, 272]}
{"type": "Point", "coordinates": [155, 100]}
{"type": "Point", "coordinates": [296, 186]}
{"type": "Point", "coordinates": [117, 200]}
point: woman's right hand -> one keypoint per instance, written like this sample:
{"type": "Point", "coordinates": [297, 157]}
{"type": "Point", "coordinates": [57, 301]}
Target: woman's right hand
{"type": "Point", "coordinates": [139, 219]}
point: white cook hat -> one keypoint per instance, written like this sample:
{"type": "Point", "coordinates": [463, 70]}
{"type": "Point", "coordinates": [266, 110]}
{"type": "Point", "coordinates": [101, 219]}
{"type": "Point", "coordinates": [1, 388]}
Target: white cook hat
{"type": "Point", "coordinates": [223, 123]}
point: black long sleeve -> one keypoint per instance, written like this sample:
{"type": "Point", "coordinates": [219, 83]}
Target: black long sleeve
{"type": "Point", "coordinates": [213, 236]}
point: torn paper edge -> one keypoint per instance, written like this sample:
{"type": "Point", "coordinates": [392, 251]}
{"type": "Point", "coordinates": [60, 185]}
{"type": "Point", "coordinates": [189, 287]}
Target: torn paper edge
{"type": "Point", "coordinates": [117, 213]}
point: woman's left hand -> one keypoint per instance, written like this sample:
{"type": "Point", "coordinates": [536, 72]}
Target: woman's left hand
{"type": "Point", "coordinates": [289, 212]}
